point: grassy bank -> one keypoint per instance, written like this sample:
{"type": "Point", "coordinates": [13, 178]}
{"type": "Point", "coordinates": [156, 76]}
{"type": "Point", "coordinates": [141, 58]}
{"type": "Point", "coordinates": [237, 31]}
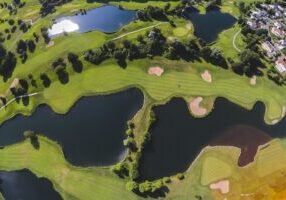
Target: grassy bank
{"type": "Point", "coordinates": [69, 181]}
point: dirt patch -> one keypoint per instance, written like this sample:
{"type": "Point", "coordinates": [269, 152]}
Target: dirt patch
{"type": "Point", "coordinates": [247, 138]}
{"type": "Point", "coordinates": [195, 107]}
{"type": "Point", "coordinates": [283, 112]}
{"type": "Point", "coordinates": [189, 26]}
{"type": "Point", "coordinates": [171, 39]}
{"type": "Point", "coordinates": [51, 43]}
{"type": "Point", "coordinates": [253, 80]}
{"type": "Point", "coordinates": [14, 83]}
{"type": "Point", "coordinates": [223, 186]}
{"type": "Point", "coordinates": [206, 76]}
{"type": "Point", "coordinates": [157, 71]}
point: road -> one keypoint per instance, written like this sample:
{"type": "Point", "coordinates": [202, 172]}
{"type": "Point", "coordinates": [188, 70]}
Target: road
{"type": "Point", "coordinates": [136, 31]}
{"type": "Point", "coordinates": [233, 41]}
{"type": "Point", "coordinates": [22, 96]}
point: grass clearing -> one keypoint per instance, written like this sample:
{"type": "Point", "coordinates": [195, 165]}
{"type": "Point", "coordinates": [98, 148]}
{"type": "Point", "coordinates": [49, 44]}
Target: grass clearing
{"type": "Point", "coordinates": [180, 31]}
{"type": "Point", "coordinates": [271, 159]}
{"type": "Point", "coordinates": [214, 170]}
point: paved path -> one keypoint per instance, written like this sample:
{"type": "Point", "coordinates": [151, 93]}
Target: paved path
{"type": "Point", "coordinates": [136, 31]}
{"type": "Point", "coordinates": [22, 96]}
{"type": "Point", "coordinates": [234, 39]}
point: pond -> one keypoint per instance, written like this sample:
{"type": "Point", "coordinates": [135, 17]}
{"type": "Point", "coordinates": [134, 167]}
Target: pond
{"type": "Point", "coordinates": [23, 185]}
{"type": "Point", "coordinates": [91, 133]}
{"type": "Point", "coordinates": [177, 137]}
{"type": "Point", "coordinates": [209, 25]}
{"type": "Point", "coordinates": [106, 19]}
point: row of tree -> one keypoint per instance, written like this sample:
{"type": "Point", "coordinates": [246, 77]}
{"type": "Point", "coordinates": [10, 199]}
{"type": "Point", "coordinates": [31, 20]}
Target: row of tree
{"type": "Point", "coordinates": [49, 6]}
{"type": "Point", "coordinates": [8, 62]}
{"type": "Point", "coordinates": [153, 44]}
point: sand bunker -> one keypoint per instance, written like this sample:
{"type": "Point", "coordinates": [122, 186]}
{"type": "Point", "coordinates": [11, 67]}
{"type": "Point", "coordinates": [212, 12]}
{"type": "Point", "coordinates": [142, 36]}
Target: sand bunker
{"type": "Point", "coordinates": [223, 186]}
{"type": "Point", "coordinates": [158, 71]}
{"type": "Point", "coordinates": [195, 107]}
{"type": "Point", "coordinates": [253, 80]}
{"type": "Point", "coordinates": [206, 76]}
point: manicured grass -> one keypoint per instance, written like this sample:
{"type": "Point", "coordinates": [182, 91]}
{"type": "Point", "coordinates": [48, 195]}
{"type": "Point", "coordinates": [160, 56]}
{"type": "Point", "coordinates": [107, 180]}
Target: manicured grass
{"type": "Point", "coordinates": [180, 31]}
{"type": "Point", "coordinates": [271, 159]}
{"type": "Point", "coordinates": [214, 170]}
{"type": "Point", "coordinates": [48, 161]}
{"type": "Point", "coordinates": [110, 78]}
{"type": "Point", "coordinates": [225, 43]}
{"type": "Point", "coordinates": [243, 180]}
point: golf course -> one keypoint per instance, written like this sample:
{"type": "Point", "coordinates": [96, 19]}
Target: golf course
{"type": "Point", "coordinates": [61, 71]}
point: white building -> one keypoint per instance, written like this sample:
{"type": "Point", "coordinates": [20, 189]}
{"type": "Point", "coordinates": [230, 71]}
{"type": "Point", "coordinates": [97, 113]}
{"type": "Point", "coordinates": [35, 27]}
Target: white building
{"type": "Point", "coordinates": [269, 48]}
{"type": "Point", "coordinates": [281, 65]}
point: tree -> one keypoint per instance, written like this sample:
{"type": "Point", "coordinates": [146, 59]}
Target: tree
{"type": "Point", "coordinates": [131, 186]}
{"type": "Point", "coordinates": [29, 134]}
{"type": "Point", "coordinates": [238, 68]}
{"type": "Point", "coordinates": [120, 56]}
{"type": "Point", "coordinates": [206, 52]}
{"type": "Point", "coordinates": [45, 79]}
{"type": "Point", "coordinates": [76, 63]}
{"type": "Point", "coordinates": [31, 45]}
{"type": "Point", "coordinates": [241, 6]}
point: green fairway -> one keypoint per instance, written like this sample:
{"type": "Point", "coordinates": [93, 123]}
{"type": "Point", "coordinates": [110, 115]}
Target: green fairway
{"type": "Point", "coordinates": [79, 183]}
{"type": "Point", "coordinates": [226, 41]}
{"type": "Point", "coordinates": [110, 78]}
{"type": "Point", "coordinates": [180, 31]}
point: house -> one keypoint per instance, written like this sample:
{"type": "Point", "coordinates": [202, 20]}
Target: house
{"type": "Point", "coordinates": [278, 25]}
{"type": "Point", "coordinates": [252, 24]}
{"type": "Point", "coordinates": [281, 65]}
{"type": "Point", "coordinates": [278, 32]}
{"type": "Point", "coordinates": [269, 48]}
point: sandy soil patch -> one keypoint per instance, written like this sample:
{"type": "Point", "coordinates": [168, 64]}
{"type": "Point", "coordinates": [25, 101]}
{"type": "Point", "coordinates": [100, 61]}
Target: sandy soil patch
{"type": "Point", "coordinates": [223, 186]}
{"type": "Point", "coordinates": [206, 76]}
{"type": "Point", "coordinates": [51, 43]}
{"type": "Point", "coordinates": [157, 71]}
{"type": "Point", "coordinates": [253, 80]}
{"type": "Point", "coordinates": [189, 26]}
{"type": "Point", "coordinates": [195, 107]}
{"type": "Point", "coordinates": [283, 112]}
{"type": "Point", "coordinates": [14, 83]}
{"type": "Point", "coordinates": [171, 39]}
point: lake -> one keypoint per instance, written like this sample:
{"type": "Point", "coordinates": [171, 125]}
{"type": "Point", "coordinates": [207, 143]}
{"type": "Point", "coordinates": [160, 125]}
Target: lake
{"type": "Point", "coordinates": [209, 25]}
{"type": "Point", "coordinates": [106, 19]}
{"type": "Point", "coordinates": [177, 137]}
{"type": "Point", "coordinates": [23, 185]}
{"type": "Point", "coordinates": [91, 133]}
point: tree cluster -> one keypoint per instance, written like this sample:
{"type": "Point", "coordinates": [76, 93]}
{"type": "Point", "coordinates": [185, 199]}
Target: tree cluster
{"type": "Point", "coordinates": [8, 62]}
{"type": "Point", "coordinates": [23, 47]}
{"type": "Point", "coordinates": [49, 6]}
{"type": "Point", "coordinates": [153, 43]}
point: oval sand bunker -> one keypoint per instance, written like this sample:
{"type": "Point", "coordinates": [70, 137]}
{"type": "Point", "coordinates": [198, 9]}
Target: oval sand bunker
{"type": "Point", "coordinates": [195, 107]}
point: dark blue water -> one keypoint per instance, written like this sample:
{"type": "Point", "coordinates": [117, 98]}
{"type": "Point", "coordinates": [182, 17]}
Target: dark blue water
{"type": "Point", "coordinates": [91, 133]}
{"type": "Point", "coordinates": [23, 185]}
{"type": "Point", "coordinates": [208, 26]}
{"type": "Point", "coordinates": [177, 137]}
{"type": "Point", "coordinates": [106, 19]}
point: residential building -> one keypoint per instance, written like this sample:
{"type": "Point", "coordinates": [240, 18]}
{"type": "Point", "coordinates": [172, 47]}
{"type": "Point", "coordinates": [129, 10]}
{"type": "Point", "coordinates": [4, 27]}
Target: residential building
{"type": "Point", "coordinates": [281, 65]}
